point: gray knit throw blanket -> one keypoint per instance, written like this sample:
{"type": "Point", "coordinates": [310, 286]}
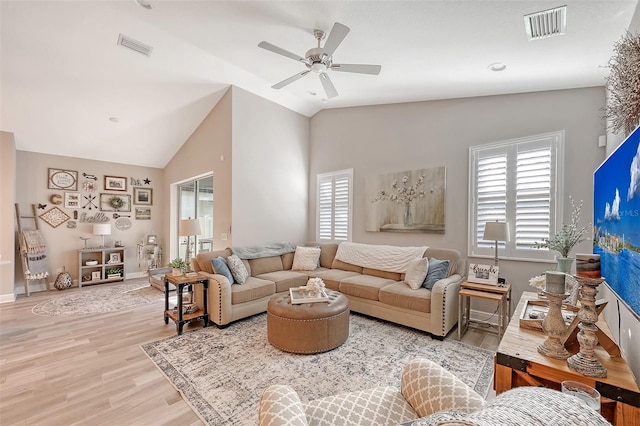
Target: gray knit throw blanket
{"type": "Point", "coordinates": [266, 250]}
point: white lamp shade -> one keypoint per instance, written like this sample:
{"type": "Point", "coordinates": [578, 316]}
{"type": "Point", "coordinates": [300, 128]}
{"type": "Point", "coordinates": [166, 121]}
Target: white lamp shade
{"type": "Point", "coordinates": [189, 227]}
{"type": "Point", "coordinates": [496, 231]}
{"type": "Point", "coordinates": [101, 229]}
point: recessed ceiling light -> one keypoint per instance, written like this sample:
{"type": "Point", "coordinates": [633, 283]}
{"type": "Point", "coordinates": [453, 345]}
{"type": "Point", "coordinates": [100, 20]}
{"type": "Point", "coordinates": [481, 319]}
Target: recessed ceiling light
{"type": "Point", "coordinates": [114, 119]}
{"type": "Point", "coordinates": [143, 3]}
{"type": "Point", "coordinates": [497, 66]}
{"type": "Point", "coordinates": [324, 100]}
{"type": "Point", "coordinates": [312, 93]}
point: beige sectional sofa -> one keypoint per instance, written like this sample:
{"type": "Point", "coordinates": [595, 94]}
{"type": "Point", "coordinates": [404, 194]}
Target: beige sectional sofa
{"type": "Point", "coordinates": [372, 292]}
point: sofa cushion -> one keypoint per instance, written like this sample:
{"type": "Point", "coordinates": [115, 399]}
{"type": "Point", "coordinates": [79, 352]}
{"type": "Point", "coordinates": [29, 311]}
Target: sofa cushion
{"type": "Point", "coordinates": [332, 277]}
{"type": "Point", "coordinates": [338, 264]}
{"type": "Point", "coordinates": [263, 265]}
{"type": "Point", "coordinates": [253, 289]}
{"type": "Point", "coordinates": [238, 270]}
{"type": "Point", "coordinates": [416, 273]}
{"type": "Point", "coordinates": [383, 274]}
{"type": "Point", "coordinates": [203, 259]}
{"type": "Point", "coordinates": [327, 253]}
{"type": "Point", "coordinates": [287, 261]}
{"type": "Point", "coordinates": [220, 267]}
{"type": "Point", "coordinates": [378, 406]}
{"type": "Point", "coordinates": [401, 295]}
{"type": "Point", "coordinates": [364, 286]}
{"type": "Point", "coordinates": [306, 258]}
{"type": "Point", "coordinates": [437, 270]}
{"type": "Point", "coordinates": [285, 279]}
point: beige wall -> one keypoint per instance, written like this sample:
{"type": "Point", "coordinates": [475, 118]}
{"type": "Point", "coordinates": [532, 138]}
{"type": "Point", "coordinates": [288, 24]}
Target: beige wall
{"type": "Point", "coordinates": [270, 171]}
{"type": "Point", "coordinates": [7, 214]}
{"type": "Point", "coordinates": [62, 241]}
{"type": "Point", "coordinates": [208, 150]}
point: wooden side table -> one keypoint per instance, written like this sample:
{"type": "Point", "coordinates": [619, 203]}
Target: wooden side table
{"type": "Point", "coordinates": [181, 282]}
{"type": "Point", "coordinates": [501, 294]}
{"type": "Point", "coordinates": [518, 363]}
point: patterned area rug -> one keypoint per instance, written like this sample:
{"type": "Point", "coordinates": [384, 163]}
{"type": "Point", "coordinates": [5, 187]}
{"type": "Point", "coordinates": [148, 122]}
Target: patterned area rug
{"type": "Point", "coordinates": [222, 373]}
{"type": "Point", "coordinates": [100, 298]}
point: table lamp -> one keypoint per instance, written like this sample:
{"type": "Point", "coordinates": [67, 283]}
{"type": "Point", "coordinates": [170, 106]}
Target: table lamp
{"type": "Point", "coordinates": [496, 231]}
{"type": "Point", "coordinates": [102, 229]}
{"type": "Point", "coordinates": [189, 227]}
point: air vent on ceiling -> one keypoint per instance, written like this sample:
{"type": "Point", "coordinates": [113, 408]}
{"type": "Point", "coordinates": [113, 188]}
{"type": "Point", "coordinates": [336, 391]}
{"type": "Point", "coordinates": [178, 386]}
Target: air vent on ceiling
{"type": "Point", "coordinates": [548, 23]}
{"type": "Point", "coordinates": [135, 45]}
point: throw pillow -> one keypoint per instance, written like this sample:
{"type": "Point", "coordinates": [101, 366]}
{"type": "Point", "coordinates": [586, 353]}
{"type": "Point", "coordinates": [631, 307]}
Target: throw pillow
{"type": "Point", "coordinates": [238, 270]}
{"type": "Point", "coordinates": [416, 273]}
{"type": "Point", "coordinates": [306, 258]}
{"type": "Point", "coordinates": [437, 270]}
{"type": "Point", "coordinates": [220, 267]}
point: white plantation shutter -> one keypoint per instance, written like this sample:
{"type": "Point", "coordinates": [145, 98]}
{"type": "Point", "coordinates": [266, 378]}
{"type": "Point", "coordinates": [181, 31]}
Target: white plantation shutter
{"type": "Point", "coordinates": [517, 181]}
{"type": "Point", "coordinates": [334, 206]}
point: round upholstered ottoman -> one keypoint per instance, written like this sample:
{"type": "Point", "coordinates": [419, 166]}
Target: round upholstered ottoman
{"type": "Point", "coordinates": [308, 328]}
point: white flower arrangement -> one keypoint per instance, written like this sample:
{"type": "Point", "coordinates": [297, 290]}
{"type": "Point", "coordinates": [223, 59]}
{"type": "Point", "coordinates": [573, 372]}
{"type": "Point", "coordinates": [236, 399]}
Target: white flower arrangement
{"type": "Point", "coordinates": [538, 282]}
{"type": "Point", "coordinates": [569, 235]}
{"type": "Point", "coordinates": [401, 193]}
{"type": "Point", "coordinates": [315, 285]}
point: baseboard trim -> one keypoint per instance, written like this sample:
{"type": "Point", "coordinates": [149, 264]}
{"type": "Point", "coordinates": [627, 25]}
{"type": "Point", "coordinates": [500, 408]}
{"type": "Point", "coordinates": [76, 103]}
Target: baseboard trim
{"type": "Point", "coordinates": [7, 298]}
{"type": "Point", "coordinates": [482, 316]}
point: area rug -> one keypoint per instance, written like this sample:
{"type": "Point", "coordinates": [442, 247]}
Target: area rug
{"type": "Point", "coordinates": [100, 298]}
{"type": "Point", "coordinates": [222, 373]}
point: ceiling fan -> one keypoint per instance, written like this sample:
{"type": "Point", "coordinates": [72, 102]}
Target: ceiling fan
{"type": "Point", "coordinates": [320, 59]}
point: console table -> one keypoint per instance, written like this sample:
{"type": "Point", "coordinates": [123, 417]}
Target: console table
{"type": "Point", "coordinates": [518, 363]}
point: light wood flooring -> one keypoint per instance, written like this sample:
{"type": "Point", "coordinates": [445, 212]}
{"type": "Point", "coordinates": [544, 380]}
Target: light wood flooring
{"type": "Point", "coordinates": [91, 369]}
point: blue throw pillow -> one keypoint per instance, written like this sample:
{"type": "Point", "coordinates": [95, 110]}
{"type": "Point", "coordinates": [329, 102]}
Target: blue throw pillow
{"type": "Point", "coordinates": [437, 270]}
{"type": "Point", "coordinates": [220, 267]}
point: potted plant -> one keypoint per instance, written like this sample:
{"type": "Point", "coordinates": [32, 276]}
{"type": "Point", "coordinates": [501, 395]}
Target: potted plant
{"type": "Point", "coordinates": [565, 240]}
{"type": "Point", "coordinates": [178, 266]}
{"type": "Point", "coordinates": [115, 272]}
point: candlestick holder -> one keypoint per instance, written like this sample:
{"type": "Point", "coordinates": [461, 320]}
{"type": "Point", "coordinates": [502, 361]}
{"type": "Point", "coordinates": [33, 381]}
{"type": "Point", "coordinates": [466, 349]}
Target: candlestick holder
{"type": "Point", "coordinates": [585, 361]}
{"type": "Point", "coordinates": [554, 327]}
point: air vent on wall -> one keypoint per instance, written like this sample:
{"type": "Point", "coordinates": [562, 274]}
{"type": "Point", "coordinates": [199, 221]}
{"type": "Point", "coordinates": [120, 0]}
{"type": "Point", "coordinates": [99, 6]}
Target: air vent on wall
{"type": "Point", "coordinates": [548, 23]}
{"type": "Point", "coordinates": [135, 45]}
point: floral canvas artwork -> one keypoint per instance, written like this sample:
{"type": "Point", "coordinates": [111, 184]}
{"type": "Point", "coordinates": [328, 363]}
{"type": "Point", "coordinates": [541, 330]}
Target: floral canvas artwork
{"type": "Point", "coordinates": [407, 201]}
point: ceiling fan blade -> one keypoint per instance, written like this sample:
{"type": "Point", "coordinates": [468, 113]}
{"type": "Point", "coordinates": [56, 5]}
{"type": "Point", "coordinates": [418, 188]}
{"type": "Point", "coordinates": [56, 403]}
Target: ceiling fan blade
{"type": "Point", "coordinates": [281, 51]}
{"type": "Point", "coordinates": [290, 79]}
{"type": "Point", "coordinates": [337, 34]}
{"type": "Point", "coordinates": [329, 88]}
{"type": "Point", "coordinates": [359, 68]}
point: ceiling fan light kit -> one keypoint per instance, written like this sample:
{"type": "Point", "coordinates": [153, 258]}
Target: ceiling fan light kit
{"type": "Point", "coordinates": [320, 59]}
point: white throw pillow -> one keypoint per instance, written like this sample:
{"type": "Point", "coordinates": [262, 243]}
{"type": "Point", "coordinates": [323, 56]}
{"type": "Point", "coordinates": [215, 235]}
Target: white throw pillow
{"type": "Point", "coordinates": [416, 272]}
{"type": "Point", "coordinates": [237, 268]}
{"type": "Point", "coordinates": [306, 258]}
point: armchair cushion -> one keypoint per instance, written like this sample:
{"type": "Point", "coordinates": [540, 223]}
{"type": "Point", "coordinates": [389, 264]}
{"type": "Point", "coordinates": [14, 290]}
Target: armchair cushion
{"type": "Point", "coordinates": [281, 406]}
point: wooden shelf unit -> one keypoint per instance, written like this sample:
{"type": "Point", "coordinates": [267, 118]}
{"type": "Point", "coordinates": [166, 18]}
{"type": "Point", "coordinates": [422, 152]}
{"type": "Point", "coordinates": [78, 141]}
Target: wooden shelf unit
{"type": "Point", "coordinates": [102, 255]}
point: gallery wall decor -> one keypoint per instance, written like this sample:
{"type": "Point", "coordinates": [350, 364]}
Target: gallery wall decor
{"type": "Point", "coordinates": [115, 183]}
{"type": "Point", "coordinates": [71, 200]}
{"type": "Point", "coordinates": [55, 217]}
{"type": "Point", "coordinates": [143, 196]}
{"type": "Point", "coordinates": [115, 202]}
{"type": "Point", "coordinates": [407, 201]}
{"type": "Point", "coordinates": [63, 179]}
{"type": "Point", "coordinates": [88, 176]}
{"type": "Point", "coordinates": [143, 213]}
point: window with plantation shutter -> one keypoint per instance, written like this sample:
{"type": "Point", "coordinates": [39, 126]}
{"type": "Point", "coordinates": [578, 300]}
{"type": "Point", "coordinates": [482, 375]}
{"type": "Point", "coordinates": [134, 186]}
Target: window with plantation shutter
{"type": "Point", "coordinates": [517, 181]}
{"type": "Point", "coordinates": [334, 206]}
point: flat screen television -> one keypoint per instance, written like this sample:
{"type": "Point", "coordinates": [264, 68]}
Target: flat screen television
{"type": "Point", "coordinates": [616, 219]}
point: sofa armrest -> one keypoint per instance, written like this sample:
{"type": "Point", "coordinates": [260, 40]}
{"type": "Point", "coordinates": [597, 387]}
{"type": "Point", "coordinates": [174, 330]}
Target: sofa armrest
{"type": "Point", "coordinates": [429, 388]}
{"type": "Point", "coordinates": [281, 406]}
{"type": "Point", "coordinates": [219, 303]}
{"type": "Point", "coordinates": [444, 304]}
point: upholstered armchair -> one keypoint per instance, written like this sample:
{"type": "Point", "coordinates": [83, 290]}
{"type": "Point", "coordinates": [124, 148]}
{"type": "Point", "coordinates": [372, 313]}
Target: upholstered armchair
{"type": "Point", "coordinates": [426, 388]}
{"type": "Point", "coordinates": [429, 396]}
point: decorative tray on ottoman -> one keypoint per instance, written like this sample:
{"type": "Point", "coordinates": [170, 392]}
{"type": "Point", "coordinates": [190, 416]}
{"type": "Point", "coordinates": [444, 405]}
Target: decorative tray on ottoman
{"type": "Point", "coordinates": [301, 295]}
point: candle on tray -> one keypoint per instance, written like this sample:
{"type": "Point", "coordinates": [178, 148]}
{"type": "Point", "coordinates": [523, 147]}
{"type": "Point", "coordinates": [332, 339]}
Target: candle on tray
{"type": "Point", "coordinates": [555, 282]}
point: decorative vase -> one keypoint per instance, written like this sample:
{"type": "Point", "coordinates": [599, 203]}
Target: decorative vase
{"type": "Point", "coordinates": [564, 264]}
{"type": "Point", "coordinates": [176, 272]}
{"type": "Point", "coordinates": [585, 361]}
{"type": "Point", "coordinates": [408, 218]}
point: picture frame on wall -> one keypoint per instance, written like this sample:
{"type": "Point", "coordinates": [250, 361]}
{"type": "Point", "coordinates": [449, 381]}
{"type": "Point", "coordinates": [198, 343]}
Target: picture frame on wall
{"type": "Point", "coordinates": [63, 179]}
{"type": "Point", "coordinates": [143, 196]}
{"type": "Point", "coordinates": [152, 239]}
{"type": "Point", "coordinates": [483, 274]}
{"type": "Point", "coordinates": [143, 213]}
{"type": "Point", "coordinates": [115, 183]}
{"type": "Point", "coordinates": [115, 202]}
{"type": "Point", "coordinates": [71, 200]}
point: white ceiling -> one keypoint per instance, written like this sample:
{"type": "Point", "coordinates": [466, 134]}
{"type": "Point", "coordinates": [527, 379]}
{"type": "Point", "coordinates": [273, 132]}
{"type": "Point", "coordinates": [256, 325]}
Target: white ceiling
{"type": "Point", "coordinates": [63, 76]}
